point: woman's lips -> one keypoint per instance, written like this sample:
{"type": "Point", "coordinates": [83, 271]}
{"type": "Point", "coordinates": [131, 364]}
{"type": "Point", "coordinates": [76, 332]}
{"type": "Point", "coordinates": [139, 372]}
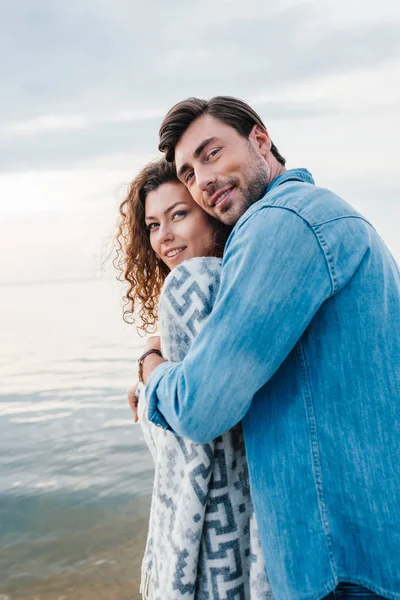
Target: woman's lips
{"type": "Point", "coordinates": [175, 256]}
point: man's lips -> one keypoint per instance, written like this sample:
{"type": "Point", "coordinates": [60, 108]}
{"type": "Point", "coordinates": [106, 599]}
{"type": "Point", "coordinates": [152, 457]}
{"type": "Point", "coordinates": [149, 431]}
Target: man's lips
{"type": "Point", "coordinates": [220, 197]}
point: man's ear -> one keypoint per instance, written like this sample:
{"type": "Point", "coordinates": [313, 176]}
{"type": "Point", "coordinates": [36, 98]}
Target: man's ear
{"type": "Point", "coordinates": [260, 139]}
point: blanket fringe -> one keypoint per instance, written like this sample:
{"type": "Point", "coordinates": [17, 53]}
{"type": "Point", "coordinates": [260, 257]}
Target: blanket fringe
{"type": "Point", "coordinates": [145, 585]}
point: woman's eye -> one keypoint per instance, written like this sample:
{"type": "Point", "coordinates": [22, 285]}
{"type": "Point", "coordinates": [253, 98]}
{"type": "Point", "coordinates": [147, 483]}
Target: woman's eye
{"type": "Point", "coordinates": [179, 213]}
{"type": "Point", "coordinates": [151, 226]}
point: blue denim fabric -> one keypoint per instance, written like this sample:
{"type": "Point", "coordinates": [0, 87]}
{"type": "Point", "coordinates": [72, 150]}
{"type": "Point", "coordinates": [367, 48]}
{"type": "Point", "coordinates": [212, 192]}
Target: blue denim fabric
{"type": "Point", "coordinates": [303, 346]}
{"type": "Point", "coordinates": [352, 592]}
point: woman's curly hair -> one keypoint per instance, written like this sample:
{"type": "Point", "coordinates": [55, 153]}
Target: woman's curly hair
{"type": "Point", "coordinates": [135, 260]}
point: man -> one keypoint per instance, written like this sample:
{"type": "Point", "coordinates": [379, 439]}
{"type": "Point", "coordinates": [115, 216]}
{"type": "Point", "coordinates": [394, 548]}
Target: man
{"type": "Point", "coordinates": [302, 346]}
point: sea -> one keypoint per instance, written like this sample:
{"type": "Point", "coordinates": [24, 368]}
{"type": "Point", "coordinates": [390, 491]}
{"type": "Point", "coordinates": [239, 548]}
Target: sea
{"type": "Point", "coordinates": [75, 473]}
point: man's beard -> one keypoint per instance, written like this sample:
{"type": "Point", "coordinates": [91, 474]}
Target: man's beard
{"type": "Point", "coordinates": [256, 178]}
{"type": "Point", "coordinates": [255, 182]}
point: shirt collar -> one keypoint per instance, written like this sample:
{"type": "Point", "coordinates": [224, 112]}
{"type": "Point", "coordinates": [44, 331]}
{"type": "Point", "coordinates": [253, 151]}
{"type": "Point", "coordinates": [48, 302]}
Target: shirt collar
{"type": "Point", "coordinates": [291, 175]}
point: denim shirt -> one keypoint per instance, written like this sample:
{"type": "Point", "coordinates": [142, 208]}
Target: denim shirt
{"type": "Point", "coordinates": [302, 345]}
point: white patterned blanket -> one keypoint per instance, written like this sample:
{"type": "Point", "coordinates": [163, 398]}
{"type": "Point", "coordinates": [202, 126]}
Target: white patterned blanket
{"type": "Point", "coordinates": [203, 540]}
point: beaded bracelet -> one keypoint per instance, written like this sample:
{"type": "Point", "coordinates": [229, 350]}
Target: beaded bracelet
{"type": "Point", "coordinates": [141, 359]}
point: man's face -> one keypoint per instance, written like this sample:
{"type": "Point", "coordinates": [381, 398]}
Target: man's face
{"type": "Point", "coordinates": [224, 172]}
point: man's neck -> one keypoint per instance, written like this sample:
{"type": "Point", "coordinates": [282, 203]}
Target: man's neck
{"type": "Point", "coordinates": [276, 170]}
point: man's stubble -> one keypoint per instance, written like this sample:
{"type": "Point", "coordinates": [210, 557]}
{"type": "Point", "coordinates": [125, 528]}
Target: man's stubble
{"type": "Point", "coordinates": [255, 182]}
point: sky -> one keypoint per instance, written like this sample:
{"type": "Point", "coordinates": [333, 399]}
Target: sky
{"type": "Point", "coordinates": [85, 85]}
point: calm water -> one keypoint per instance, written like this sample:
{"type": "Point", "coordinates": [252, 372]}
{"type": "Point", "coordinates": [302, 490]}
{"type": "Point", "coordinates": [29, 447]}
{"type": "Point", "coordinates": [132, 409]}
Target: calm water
{"type": "Point", "coordinates": [75, 474]}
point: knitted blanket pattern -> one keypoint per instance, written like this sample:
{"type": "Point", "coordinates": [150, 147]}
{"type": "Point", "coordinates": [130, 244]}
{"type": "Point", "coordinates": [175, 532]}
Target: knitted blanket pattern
{"type": "Point", "coordinates": [203, 541]}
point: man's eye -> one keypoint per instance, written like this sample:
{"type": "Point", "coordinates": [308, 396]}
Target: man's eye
{"type": "Point", "coordinates": [189, 176]}
{"type": "Point", "coordinates": [212, 153]}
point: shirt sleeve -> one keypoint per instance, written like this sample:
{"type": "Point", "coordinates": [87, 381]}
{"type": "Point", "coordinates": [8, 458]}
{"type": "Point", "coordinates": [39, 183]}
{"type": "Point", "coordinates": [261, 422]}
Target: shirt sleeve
{"type": "Point", "coordinates": [275, 276]}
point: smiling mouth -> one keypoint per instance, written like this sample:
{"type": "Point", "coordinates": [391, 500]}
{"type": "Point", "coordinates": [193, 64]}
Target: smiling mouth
{"type": "Point", "coordinates": [174, 252]}
{"type": "Point", "coordinates": [220, 199]}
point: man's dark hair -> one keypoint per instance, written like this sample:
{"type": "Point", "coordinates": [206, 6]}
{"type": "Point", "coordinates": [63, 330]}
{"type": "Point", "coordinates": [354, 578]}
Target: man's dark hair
{"type": "Point", "coordinates": [229, 110]}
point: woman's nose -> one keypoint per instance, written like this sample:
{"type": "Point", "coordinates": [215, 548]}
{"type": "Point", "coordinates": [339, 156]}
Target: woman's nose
{"type": "Point", "coordinates": [165, 234]}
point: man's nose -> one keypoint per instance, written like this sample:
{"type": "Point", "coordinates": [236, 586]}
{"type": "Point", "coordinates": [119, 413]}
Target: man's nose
{"type": "Point", "coordinates": [205, 179]}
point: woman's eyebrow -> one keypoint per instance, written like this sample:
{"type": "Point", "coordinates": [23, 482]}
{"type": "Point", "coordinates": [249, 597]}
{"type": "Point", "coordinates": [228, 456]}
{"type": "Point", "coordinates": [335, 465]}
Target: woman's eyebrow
{"type": "Point", "coordinates": [168, 210]}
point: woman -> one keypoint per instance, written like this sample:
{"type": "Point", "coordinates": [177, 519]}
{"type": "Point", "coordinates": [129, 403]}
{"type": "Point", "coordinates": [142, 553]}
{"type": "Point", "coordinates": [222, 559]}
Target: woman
{"type": "Point", "coordinates": [203, 541]}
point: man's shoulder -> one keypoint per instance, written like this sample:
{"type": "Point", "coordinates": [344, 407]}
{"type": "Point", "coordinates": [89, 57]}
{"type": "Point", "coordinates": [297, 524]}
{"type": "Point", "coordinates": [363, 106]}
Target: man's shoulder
{"type": "Point", "coordinates": [291, 211]}
{"type": "Point", "coordinates": [313, 204]}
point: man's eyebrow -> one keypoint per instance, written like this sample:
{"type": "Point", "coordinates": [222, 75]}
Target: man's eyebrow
{"type": "Point", "coordinates": [182, 170]}
{"type": "Point", "coordinates": [196, 154]}
{"type": "Point", "coordinates": [168, 210]}
{"type": "Point", "coordinates": [203, 145]}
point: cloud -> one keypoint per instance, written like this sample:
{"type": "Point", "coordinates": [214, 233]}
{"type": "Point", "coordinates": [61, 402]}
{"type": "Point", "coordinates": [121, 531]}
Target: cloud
{"type": "Point", "coordinates": [44, 124]}
{"type": "Point", "coordinates": [96, 58]}
{"type": "Point", "coordinates": [282, 49]}
{"type": "Point", "coordinates": [86, 83]}
{"type": "Point", "coordinates": [70, 148]}
{"type": "Point", "coordinates": [61, 123]}
{"type": "Point", "coordinates": [68, 140]}
{"type": "Point", "coordinates": [99, 183]}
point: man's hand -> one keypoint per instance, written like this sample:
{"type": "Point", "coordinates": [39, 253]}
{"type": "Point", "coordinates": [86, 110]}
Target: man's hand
{"type": "Point", "coordinates": [153, 360]}
{"type": "Point", "coordinates": [133, 401]}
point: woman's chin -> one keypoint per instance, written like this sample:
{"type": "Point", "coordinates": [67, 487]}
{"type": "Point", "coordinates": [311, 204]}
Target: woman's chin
{"type": "Point", "coordinates": [179, 259]}
{"type": "Point", "coordinates": [177, 263]}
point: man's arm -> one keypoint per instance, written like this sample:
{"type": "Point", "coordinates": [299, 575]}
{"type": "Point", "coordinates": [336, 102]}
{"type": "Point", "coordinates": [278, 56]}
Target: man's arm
{"type": "Point", "coordinates": [275, 276]}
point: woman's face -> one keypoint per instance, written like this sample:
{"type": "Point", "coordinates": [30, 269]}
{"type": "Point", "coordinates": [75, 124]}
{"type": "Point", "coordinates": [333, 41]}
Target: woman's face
{"type": "Point", "coordinates": [178, 228]}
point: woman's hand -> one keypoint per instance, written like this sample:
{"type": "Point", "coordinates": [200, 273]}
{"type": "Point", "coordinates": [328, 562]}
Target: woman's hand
{"type": "Point", "coordinates": [152, 360]}
{"type": "Point", "coordinates": [133, 401]}
{"type": "Point", "coordinates": [153, 343]}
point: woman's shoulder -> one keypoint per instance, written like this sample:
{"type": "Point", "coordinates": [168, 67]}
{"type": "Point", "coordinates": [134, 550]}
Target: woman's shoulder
{"type": "Point", "coordinates": [208, 266]}
{"type": "Point", "coordinates": [187, 298]}
{"type": "Point", "coordinates": [204, 270]}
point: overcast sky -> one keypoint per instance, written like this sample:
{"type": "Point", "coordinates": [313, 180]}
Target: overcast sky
{"type": "Point", "coordinates": [85, 84]}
